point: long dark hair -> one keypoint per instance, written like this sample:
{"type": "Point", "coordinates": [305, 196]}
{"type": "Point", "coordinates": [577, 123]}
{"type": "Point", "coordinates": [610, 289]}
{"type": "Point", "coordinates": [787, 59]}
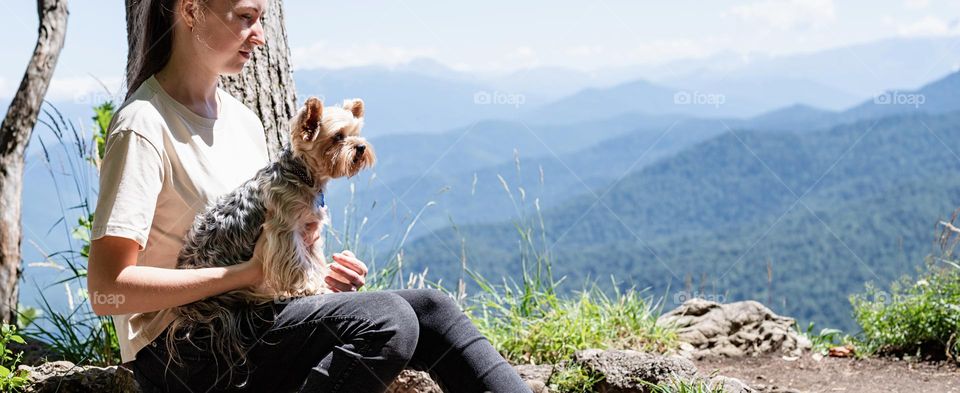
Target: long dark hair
{"type": "Point", "coordinates": [152, 22]}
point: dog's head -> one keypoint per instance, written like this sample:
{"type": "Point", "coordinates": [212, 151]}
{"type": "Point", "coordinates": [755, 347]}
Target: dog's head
{"type": "Point", "coordinates": [328, 139]}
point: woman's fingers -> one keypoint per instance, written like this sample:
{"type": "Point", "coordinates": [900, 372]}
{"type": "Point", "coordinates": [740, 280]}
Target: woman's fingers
{"type": "Point", "coordinates": [351, 262]}
{"type": "Point", "coordinates": [346, 276]}
{"type": "Point", "coordinates": [337, 286]}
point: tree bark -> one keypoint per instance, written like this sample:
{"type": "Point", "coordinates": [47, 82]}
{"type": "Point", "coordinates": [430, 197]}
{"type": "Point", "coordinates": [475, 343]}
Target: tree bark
{"type": "Point", "coordinates": [14, 136]}
{"type": "Point", "coordinates": [266, 84]}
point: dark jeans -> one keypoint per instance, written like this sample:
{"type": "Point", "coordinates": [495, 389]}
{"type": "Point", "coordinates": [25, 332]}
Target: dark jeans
{"type": "Point", "coordinates": [354, 342]}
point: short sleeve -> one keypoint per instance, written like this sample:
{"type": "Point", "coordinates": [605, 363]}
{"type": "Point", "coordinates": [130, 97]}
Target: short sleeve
{"type": "Point", "coordinates": [131, 177]}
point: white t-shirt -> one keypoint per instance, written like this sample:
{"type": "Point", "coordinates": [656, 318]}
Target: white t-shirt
{"type": "Point", "coordinates": [162, 165]}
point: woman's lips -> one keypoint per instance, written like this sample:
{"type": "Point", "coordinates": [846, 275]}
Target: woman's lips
{"type": "Point", "coordinates": [245, 54]}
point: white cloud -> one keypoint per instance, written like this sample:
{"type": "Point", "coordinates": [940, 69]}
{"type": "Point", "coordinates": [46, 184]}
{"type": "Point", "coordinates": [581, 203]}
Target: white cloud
{"type": "Point", "coordinates": [662, 51]}
{"type": "Point", "coordinates": [585, 50]}
{"type": "Point", "coordinates": [917, 4]}
{"type": "Point", "coordinates": [78, 90]}
{"type": "Point", "coordinates": [325, 55]}
{"type": "Point", "coordinates": [930, 26]}
{"type": "Point", "coordinates": [84, 89]}
{"type": "Point", "coordinates": [786, 15]}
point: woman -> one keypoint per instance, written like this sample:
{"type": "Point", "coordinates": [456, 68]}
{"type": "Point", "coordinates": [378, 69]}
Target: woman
{"type": "Point", "coordinates": [178, 142]}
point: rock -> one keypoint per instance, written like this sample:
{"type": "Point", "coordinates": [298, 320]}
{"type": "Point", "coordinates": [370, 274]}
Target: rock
{"type": "Point", "coordinates": [729, 385]}
{"type": "Point", "coordinates": [624, 370]}
{"type": "Point", "coordinates": [66, 377]}
{"type": "Point", "coordinates": [413, 381]}
{"type": "Point", "coordinates": [536, 376]}
{"type": "Point", "coordinates": [745, 328]}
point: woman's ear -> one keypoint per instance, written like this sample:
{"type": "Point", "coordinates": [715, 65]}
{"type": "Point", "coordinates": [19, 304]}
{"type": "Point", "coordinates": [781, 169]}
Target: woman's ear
{"type": "Point", "coordinates": [189, 12]}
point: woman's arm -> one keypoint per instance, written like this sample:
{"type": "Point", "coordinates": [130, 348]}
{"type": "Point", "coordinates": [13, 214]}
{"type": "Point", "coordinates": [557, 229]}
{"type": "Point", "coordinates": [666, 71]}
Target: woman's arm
{"type": "Point", "coordinates": [118, 286]}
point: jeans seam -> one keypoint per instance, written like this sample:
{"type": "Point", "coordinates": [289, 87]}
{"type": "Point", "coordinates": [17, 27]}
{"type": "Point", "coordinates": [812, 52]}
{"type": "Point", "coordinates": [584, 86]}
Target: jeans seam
{"type": "Point", "coordinates": [318, 321]}
{"type": "Point", "coordinates": [360, 350]}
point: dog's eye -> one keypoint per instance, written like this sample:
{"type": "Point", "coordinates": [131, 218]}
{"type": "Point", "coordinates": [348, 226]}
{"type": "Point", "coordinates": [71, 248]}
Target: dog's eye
{"type": "Point", "coordinates": [338, 137]}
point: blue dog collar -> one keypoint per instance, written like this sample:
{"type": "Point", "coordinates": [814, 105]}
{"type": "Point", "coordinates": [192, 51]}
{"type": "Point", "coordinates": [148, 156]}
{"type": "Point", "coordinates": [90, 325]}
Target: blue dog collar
{"type": "Point", "coordinates": [318, 202]}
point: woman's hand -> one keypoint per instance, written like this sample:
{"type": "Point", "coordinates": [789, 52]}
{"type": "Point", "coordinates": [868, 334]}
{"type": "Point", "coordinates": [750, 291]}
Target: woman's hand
{"type": "Point", "coordinates": [347, 273]}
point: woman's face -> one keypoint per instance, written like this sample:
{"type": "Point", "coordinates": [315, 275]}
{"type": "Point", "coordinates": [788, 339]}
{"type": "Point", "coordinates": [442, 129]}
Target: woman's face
{"type": "Point", "coordinates": [226, 32]}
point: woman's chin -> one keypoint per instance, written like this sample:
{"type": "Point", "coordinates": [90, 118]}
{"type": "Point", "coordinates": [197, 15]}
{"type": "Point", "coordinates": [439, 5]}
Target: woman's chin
{"type": "Point", "coordinates": [233, 69]}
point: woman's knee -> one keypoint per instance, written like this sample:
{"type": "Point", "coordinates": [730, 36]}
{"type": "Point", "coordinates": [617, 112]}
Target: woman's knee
{"type": "Point", "coordinates": [398, 319]}
{"type": "Point", "coordinates": [431, 302]}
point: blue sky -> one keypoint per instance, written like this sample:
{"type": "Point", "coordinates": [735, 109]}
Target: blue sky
{"type": "Point", "coordinates": [498, 36]}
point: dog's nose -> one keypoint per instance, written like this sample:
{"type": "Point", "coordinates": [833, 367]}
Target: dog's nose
{"type": "Point", "coordinates": [361, 148]}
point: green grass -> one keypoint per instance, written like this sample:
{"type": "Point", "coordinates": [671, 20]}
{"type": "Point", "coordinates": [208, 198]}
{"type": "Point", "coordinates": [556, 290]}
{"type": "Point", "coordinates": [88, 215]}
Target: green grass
{"type": "Point", "coordinates": [683, 386]}
{"type": "Point", "coordinates": [530, 326]}
{"type": "Point", "coordinates": [573, 378]}
{"type": "Point", "coordinates": [917, 317]}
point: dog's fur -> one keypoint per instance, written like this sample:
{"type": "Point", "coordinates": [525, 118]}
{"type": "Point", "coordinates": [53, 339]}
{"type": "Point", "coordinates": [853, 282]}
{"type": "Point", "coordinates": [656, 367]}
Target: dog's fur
{"type": "Point", "coordinates": [278, 203]}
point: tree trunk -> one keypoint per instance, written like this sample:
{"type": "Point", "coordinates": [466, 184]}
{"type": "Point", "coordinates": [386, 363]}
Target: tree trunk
{"type": "Point", "coordinates": [14, 136]}
{"type": "Point", "coordinates": [266, 84]}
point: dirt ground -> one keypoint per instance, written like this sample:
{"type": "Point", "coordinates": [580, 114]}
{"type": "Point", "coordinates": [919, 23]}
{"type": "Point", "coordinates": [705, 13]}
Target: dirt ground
{"type": "Point", "coordinates": [775, 374]}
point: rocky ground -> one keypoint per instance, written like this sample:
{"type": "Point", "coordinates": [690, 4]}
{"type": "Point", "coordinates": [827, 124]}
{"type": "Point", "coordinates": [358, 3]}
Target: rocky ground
{"type": "Point", "coordinates": [743, 346]}
{"type": "Point", "coordinates": [805, 374]}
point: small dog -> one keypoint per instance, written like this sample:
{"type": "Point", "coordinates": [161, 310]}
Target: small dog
{"type": "Point", "coordinates": [279, 202]}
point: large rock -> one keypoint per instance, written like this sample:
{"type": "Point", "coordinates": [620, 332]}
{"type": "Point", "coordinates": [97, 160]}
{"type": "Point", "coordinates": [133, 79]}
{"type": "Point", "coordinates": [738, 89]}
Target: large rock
{"type": "Point", "coordinates": [736, 329]}
{"type": "Point", "coordinates": [411, 381]}
{"type": "Point", "coordinates": [66, 377]}
{"type": "Point", "coordinates": [624, 371]}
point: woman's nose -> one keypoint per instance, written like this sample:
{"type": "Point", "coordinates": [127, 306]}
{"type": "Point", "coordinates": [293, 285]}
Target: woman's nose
{"type": "Point", "coordinates": [256, 36]}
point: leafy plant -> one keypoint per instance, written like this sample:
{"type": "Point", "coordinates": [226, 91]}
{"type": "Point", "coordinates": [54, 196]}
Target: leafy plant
{"type": "Point", "coordinates": [76, 334]}
{"type": "Point", "coordinates": [919, 317]}
{"type": "Point", "coordinates": [11, 379]}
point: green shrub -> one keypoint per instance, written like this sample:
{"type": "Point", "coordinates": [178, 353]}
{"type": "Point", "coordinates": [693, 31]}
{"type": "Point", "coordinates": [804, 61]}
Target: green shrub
{"type": "Point", "coordinates": [11, 380]}
{"type": "Point", "coordinates": [917, 317]}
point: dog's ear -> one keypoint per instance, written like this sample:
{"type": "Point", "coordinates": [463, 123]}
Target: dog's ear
{"type": "Point", "coordinates": [310, 123]}
{"type": "Point", "coordinates": [355, 106]}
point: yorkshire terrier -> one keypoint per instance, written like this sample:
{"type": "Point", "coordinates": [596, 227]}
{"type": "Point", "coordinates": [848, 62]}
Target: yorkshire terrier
{"type": "Point", "coordinates": [280, 202]}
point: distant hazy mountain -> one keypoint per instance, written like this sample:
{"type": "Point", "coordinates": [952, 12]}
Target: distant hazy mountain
{"type": "Point", "coordinates": [400, 101]}
{"type": "Point", "coordinates": [862, 70]}
{"type": "Point", "coordinates": [940, 96]}
{"type": "Point", "coordinates": [720, 211]}
{"type": "Point", "coordinates": [576, 160]}
{"type": "Point", "coordinates": [426, 96]}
